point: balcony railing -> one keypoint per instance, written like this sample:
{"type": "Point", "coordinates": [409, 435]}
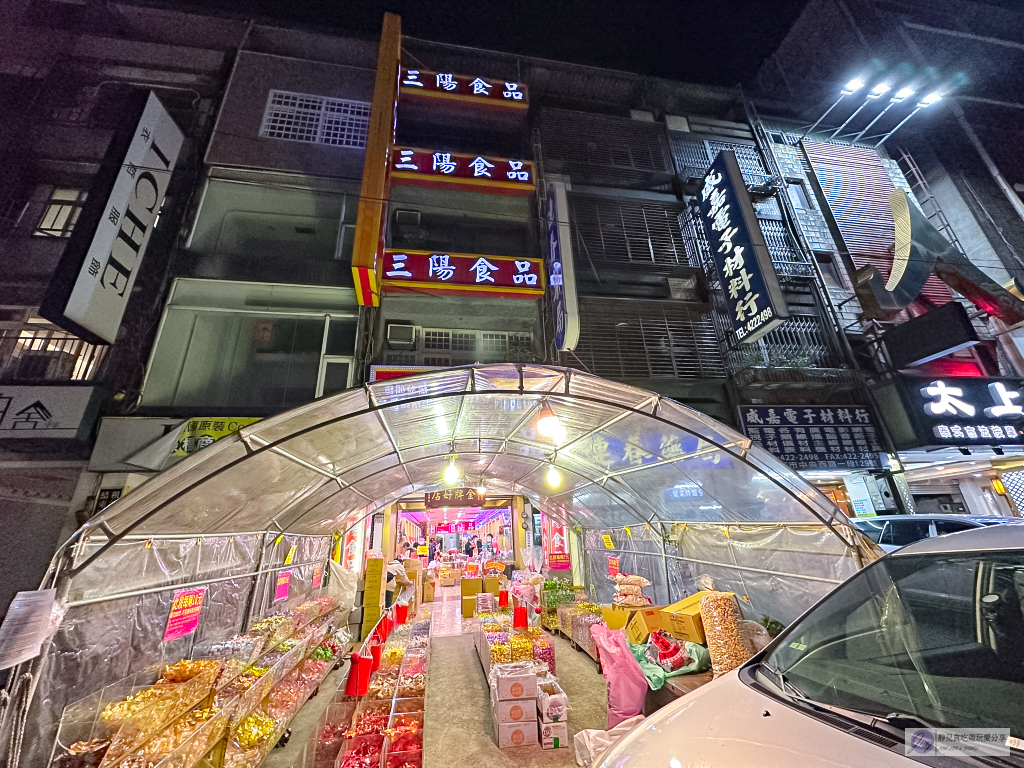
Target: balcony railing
{"type": "Point", "coordinates": [35, 352]}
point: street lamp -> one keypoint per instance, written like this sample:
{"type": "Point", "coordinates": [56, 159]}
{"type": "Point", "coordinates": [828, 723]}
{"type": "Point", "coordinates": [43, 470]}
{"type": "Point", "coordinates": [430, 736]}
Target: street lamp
{"type": "Point", "coordinates": [848, 90]}
{"type": "Point", "coordinates": [898, 98]}
{"type": "Point", "coordinates": [924, 103]}
{"type": "Point", "coordinates": [875, 93]}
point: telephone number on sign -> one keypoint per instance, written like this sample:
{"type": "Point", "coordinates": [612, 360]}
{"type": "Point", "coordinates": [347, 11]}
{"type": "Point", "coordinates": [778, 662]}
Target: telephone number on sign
{"type": "Point", "coordinates": [755, 322]}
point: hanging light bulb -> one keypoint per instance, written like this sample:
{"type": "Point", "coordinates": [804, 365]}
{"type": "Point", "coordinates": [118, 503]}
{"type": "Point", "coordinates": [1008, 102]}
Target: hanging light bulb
{"type": "Point", "coordinates": [549, 425]}
{"type": "Point", "coordinates": [554, 477]}
{"type": "Point", "coordinates": [451, 473]}
{"type": "Point", "coordinates": [481, 490]}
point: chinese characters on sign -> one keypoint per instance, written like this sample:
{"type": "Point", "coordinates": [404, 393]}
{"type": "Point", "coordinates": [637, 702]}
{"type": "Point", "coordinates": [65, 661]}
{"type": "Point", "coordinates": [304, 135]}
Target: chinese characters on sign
{"type": "Point", "coordinates": [50, 412]}
{"type": "Point", "coordinates": [961, 411]}
{"type": "Point", "coordinates": [748, 278]}
{"type": "Point", "coordinates": [815, 436]}
{"type": "Point", "coordinates": [557, 546]}
{"type": "Point", "coordinates": [196, 434]}
{"type": "Point", "coordinates": [453, 497]}
{"type": "Point", "coordinates": [475, 90]}
{"type": "Point", "coordinates": [613, 566]}
{"type": "Point", "coordinates": [283, 585]}
{"type": "Point", "coordinates": [430, 168]}
{"type": "Point", "coordinates": [184, 616]}
{"type": "Point", "coordinates": [454, 272]}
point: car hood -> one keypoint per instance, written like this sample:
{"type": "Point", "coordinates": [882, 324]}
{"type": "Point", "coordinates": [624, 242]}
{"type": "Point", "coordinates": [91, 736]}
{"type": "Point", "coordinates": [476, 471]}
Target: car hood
{"type": "Point", "coordinates": [722, 724]}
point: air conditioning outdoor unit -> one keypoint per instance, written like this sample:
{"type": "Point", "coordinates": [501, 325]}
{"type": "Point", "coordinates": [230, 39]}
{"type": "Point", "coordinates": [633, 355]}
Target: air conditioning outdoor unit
{"type": "Point", "coordinates": [400, 335]}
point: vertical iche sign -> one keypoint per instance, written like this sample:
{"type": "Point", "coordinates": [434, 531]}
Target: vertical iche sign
{"type": "Point", "coordinates": [749, 281]}
{"type": "Point", "coordinates": [186, 606]}
{"type": "Point", "coordinates": [93, 282]}
{"type": "Point", "coordinates": [561, 270]}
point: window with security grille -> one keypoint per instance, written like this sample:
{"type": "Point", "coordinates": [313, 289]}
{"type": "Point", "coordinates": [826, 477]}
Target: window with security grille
{"type": "Point", "coordinates": [60, 213]}
{"type": "Point", "coordinates": [463, 342]}
{"type": "Point", "coordinates": [316, 119]}
{"type": "Point", "coordinates": [493, 343]}
{"type": "Point", "coordinates": [437, 340]}
{"type": "Point", "coordinates": [464, 346]}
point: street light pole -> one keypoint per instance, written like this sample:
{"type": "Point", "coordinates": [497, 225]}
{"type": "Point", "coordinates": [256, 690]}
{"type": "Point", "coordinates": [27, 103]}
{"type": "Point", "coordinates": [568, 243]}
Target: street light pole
{"type": "Point", "coordinates": [901, 95]}
{"type": "Point", "coordinates": [851, 87]}
{"type": "Point", "coordinates": [927, 101]}
{"type": "Point", "coordinates": [875, 93]}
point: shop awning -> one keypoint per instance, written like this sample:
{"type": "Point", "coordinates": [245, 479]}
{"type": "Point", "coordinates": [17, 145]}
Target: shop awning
{"type": "Point", "coordinates": [627, 456]}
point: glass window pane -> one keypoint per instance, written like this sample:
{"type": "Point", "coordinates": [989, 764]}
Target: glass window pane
{"type": "Point", "coordinates": [341, 338]}
{"type": "Point", "coordinates": [335, 377]}
{"type": "Point", "coordinates": [951, 526]}
{"type": "Point", "coordinates": [903, 532]}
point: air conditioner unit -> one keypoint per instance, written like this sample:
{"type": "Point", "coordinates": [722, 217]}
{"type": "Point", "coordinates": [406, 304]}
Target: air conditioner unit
{"type": "Point", "coordinates": [405, 218]}
{"type": "Point", "coordinates": [400, 335]}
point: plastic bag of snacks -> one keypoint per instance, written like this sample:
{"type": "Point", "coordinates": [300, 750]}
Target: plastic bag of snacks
{"type": "Point", "coordinates": [544, 650]}
{"type": "Point", "coordinates": [720, 614]}
{"type": "Point", "coordinates": [629, 590]}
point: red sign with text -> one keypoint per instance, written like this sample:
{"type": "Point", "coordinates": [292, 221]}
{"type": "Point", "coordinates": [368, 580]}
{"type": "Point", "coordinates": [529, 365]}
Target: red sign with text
{"type": "Point", "coordinates": [456, 273]}
{"type": "Point", "coordinates": [284, 581]}
{"type": "Point", "coordinates": [318, 577]}
{"type": "Point", "coordinates": [613, 566]}
{"type": "Point", "coordinates": [460, 527]}
{"type": "Point", "coordinates": [426, 167]}
{"type": "Point", "coordinates": [183, 619]}
{"type": "Point", "coordinates": [478, 91]}
{"type": "Point", "coordinates": [558, 547]}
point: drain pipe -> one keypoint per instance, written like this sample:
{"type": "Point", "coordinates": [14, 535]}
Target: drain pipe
{"type": "Point", "coordinates": [1015, 201]}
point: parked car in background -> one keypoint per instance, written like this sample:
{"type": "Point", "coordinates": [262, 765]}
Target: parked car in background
{"type": "Point", "coordinates": [931, 636]}
{"type": "Point", "coordinates": [891, 532]}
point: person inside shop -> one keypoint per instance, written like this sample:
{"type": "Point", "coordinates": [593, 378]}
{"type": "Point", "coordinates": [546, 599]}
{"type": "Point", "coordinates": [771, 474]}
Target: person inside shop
{"type": "Point", "coordinates": [469, 549]}
{"type": "Point", "coordinates": [489, 544]}
{"type": "Point", "coordinates": [396, 580]}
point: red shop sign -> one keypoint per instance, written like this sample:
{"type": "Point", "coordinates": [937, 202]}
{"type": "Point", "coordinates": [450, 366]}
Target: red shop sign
{"type": "Point", "coordinates": [478, 91]}
{"type": "Point", "coordinates": [613, 566]}
{"type": "Point", "coordinates": [425, 167]}
{"type": "Point", "coordinates": [455, 273]}
{"type": "Point", "coordinates": [183, 618]}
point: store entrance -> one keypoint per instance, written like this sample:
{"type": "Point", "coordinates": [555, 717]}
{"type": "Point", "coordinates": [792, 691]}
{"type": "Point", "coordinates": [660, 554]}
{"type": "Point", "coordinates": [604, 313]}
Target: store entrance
{"type": "Point", "coordinates": [254, 553]}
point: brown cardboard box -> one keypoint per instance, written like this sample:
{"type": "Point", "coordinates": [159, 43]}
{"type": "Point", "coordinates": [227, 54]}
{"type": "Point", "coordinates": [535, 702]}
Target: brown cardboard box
{"type": "Point", "coordinates": [375, 581]}
{"type": "Point", "coordinates": [492, 584]}
{"type": "Point", "coordinates": [517, 734]}
{"type": "Point", "coordinates": [683, 620]}
{"type": "Point", "coordinates": [468, 606]}
{"type": "Point", "coordinates": [644, 621]}
{"type": "Point", "coordinates": [472, 585]}
{"type": "Point", "coordinates": [615, 616]}
{"type": "Point", "coordinates": [428, 589]}
{"type": "Point", "coordinates": [554, 735]}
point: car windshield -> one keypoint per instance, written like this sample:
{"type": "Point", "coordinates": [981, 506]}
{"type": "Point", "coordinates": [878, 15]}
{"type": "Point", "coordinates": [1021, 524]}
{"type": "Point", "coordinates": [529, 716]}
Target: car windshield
{"type": "Point", "coordinates": [939, 637]}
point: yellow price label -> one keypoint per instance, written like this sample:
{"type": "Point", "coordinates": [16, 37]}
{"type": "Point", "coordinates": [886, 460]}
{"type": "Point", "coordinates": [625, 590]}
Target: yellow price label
{"type": "Point", "coordinates": [291, 554]}
{"type": "Point", "coordinates": [608, 543]}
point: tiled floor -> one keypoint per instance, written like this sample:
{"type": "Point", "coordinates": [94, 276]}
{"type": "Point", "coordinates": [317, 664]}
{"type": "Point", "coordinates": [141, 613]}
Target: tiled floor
{"type": "Point", "coordinates": [446, 619]}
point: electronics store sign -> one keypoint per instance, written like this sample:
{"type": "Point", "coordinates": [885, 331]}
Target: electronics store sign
{"type": "Point", "coordinates": [968, 411]}
{"type": "Point", "coordinates": [815, 436]}
{"type": "Point", "coordinates": [748, 278]}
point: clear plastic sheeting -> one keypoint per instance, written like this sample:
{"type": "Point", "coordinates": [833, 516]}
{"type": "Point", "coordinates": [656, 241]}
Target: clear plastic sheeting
{"type": "Point", "coordinates": [639, 552]}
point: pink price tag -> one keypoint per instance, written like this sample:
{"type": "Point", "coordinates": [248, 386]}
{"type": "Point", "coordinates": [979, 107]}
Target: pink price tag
{"type": "Point", "coordinates": [284, 581]}
{"type": "Point", "coordinates": [184, 616]}
{"type": "Point", "coordinates": [318, 577]}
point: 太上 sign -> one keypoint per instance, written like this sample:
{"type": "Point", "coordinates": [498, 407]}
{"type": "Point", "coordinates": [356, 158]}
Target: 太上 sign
{"type": "Point", "coordinates": [815, 436]}
{"type": "Point", "coordinates": [474, 91]}
{"type": "Point", "coordinates": [478, 172]}
{"type": "Point", "coordinates": [455, 273]}
{"type": "Point", "coordinates": [183, 618]}
{"type": "Point", "coordinates": [749, 281]}
{"type": "Point", "coordinates": [453, 497]}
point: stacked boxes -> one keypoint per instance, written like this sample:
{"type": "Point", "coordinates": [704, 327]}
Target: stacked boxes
{"type": "Point", "coordinates": [414, 570]}
{"type": "Point", "coordinates": [644, 621]}
{"type": "Point", "coordinates": [470, 588]}
{"type": "Point", "coordinates": [492, 584]}
{"type": "Point", "coordinates": [553, 711]}
{"type": "Point", "coordinates": [514, 705]}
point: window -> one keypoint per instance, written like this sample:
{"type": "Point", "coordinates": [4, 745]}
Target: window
{"type": "Point", "coordinates": [798, 196]}
{"type": "Point", "coordinates": [829, 269]}
{"type": "Point", "coordinates": [34, 350]}
{"type": "Point", "coordinates": [316, 119]}
{"type": "Point", "coordinates": [902, 532]}
{"type": "Point", "coordinates": [951, 526]}
{"type": "Point", "coordinates": [935, 636]}
{"type": "Point", "coordinates": [463, 347]}
{"type": "Point", "coordinates": [60, 213]}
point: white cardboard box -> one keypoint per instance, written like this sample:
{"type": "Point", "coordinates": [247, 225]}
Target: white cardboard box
{"type": "Point", "coordinates": [511, 687]}
{"type": "Point", "coordinates": [517, 734]}
{"type": "Point", "coordinates": [553, 707]}
{"type": "Point", "coordinates": [518, 711]}
{"type": "Point", "coordinates": [554, 735]}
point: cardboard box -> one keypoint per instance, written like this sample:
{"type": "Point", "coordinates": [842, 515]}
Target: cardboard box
{"type": "Point", "coordinates": [644, 621]}
{"type": "Point", "coordinates": [521, 711]}
{"type": "Point", "coordinates": [517, 734]}
{"type": "Point", "coordinates": [515, 687]}
{"type": "Point", "coordinates": [448, 582]}
{"type": "Point", "coordinates": [468, 606]}
{"type": "Point", "coordinates": [492, 584]}
{"type": "Point", "coordinates": [554, 735]}
{"type": "Point", "coordinates": [552, 703]}
{"type": "Point", "coordinates": [615, 616]}
{"type": "Point", "coordinates": [428, 590]}
{"type": "Point", "coordinates": [683, 620]}
{"type": "Point", "coordinates": [375, 581]}
{"type": "Point", "coordinates": [471, 586]}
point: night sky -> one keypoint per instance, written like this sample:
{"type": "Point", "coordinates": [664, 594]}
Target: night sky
{"type": "Point", "coordinates": [718, 42]}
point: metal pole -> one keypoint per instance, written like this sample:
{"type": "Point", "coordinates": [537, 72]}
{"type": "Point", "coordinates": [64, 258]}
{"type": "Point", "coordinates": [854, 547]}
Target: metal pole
{"type": "Point", "coordinates": [848, 120]}
{"type": "Point", "coordinates": [818, 121]}
{"type": "Point", "coordinates": [899, 125]}
{"type": "Point", "coordinates": [878, 117]}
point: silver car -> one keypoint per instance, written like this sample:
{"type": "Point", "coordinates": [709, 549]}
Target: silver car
{"type": "Point", "coordinates": [891, 532]}
{"type": "Point", "coordinates": [929, 637]}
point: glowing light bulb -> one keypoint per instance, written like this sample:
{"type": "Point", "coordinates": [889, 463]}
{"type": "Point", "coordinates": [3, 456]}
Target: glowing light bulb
{"type": "Point", "coordinates": [853, 86]}
{"type": "Point", "coordinates": [451, 474]}
{"type": "Point", "coordinates": [549, 425]}
{"type": "Point", "coordinates": [553, 477]}
{"type": "Point", "coordinates": [481, 490]}
{"type": "Point", "coordinates": [930, 99]}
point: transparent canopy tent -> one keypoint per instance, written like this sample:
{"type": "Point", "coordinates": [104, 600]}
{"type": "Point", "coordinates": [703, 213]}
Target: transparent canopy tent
{"type": "Point", "coordinates": [677, 494]}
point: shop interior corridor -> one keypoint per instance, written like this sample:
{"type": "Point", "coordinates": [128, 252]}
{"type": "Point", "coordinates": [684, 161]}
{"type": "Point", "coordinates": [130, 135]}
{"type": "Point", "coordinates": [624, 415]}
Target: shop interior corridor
{"type": "Point", "coordinates": [459, 731]}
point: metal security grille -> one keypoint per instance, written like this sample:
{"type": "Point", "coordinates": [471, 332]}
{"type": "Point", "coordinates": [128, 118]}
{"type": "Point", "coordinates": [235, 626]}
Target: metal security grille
{"type": "Point", "coordinates": [643, 339]}
{"type": "Point", "coordinates": [615, 231]}
{"type": "Point", "coordinates": [315, 119]}
{"type": "Point", "coordinates": [1014, 483]}
{"type": "Point", "coordinates": [600, 149]}
{"type": "Point", "coordinates": [694, 156]}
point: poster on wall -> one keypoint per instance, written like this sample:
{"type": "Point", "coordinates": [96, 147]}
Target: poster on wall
{"type": "Point", "coordinates": [184, 615]}
{"type": "Point", "coordinates": [557, 546]}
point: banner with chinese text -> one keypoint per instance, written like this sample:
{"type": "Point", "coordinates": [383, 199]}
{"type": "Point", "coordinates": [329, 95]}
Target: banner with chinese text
{"type": "Point", "coordinates": [815, 436]}
{"type": "Point", "coordinates": [488, 174]}
{"type": "Point", "coordinates": [455, 273]}
{"type": "Point", "coordinates": [478, 91]}
{"type": "Point", "coordinates": [198, 433]}
{"type": "Point", "coordinates": [453, 497]}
